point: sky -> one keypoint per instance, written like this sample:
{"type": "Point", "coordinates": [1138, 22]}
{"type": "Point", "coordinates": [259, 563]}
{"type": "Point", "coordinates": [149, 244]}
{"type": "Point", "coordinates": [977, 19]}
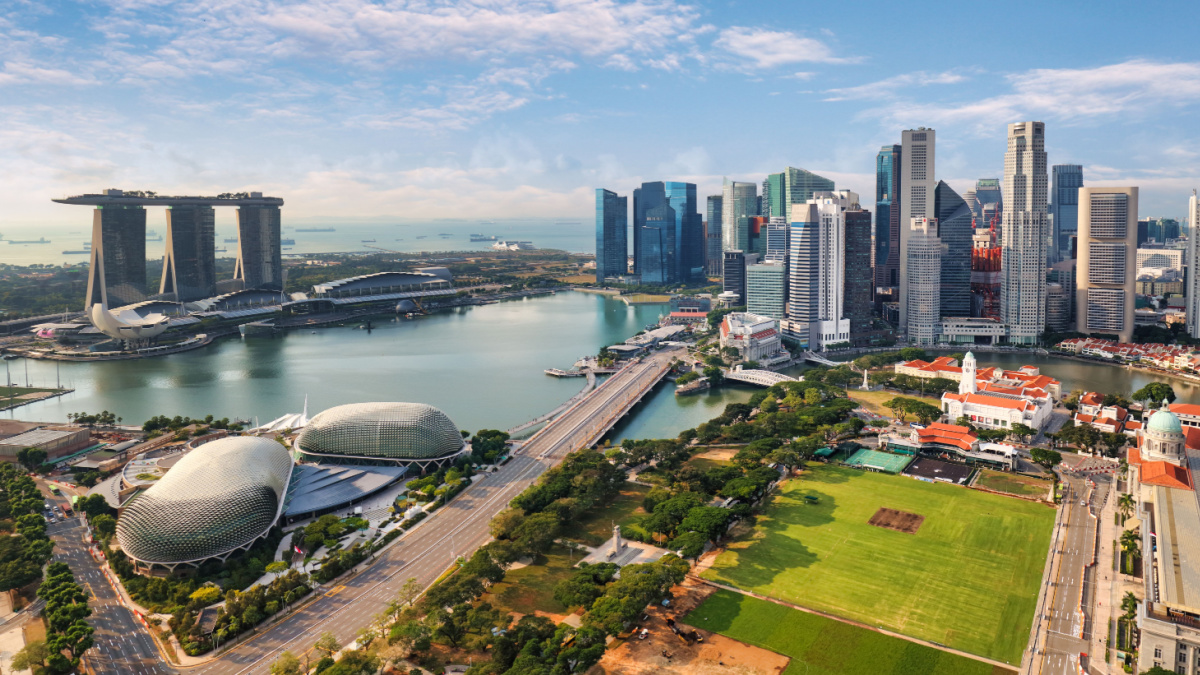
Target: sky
{"type": "Point", "coordinates": [489, 109]}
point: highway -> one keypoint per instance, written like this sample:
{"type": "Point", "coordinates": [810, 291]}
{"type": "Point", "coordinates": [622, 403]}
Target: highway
{"type": "Point", "coordinates": [456, 529]}
{"type": "Point", "coordinates": [1069, 630]}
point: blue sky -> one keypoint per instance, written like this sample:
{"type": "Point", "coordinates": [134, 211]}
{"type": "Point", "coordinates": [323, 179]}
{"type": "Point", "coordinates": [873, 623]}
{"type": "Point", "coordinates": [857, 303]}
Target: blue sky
{"type": "Point", "coordinates": [509, 108]}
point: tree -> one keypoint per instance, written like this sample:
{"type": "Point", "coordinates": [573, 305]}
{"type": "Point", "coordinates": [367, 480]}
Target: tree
{"type": "Point", "coordinates": [709, 521]}
{"type": "Point", "coordinates": [205, 595]}
{"type": "Point", "coordinates": [1023, 431]}
{"type": "Point", "coordinates": [32, 654]}
{"type": "Point", "coordinates": [1155, 393]}
{"type": "Point", "coordinates": [94, 505]}
{"type": "Point", "coordinates": [31, 458]}
{"type": "Point", "coordinates": [327, 643]}
{"type": "Point", "coordinates": [1125, 504]}
{"type": "Point", "coordinates": [1045, 457]}
{"type": "Point", "coordinates": [277, 567]}
{"type": "Point", "coordinates": [286, 664]}
{"type": "Point", "coordinates": [536, 533]}
{"type": "Point", "coordinates": [1131, 543]}
{"type": "Point", "coordinates": [925, 412]}
{"type": "Point", "coordinates": [505, 523]}
{"type": "Point", "coordinates": [1113, 442]}
{"type": "Point", "coordinates": [1129, 603]}
{"type": "Point", "coordinates": [898, 406]}
{"type": "Point", "coordinates": [106, 525]}
{"type": "Point", "coordinates": [1158, 670]}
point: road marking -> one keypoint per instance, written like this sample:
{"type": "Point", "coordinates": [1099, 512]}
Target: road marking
{"type": "Point", "coordinates": [335, 591]}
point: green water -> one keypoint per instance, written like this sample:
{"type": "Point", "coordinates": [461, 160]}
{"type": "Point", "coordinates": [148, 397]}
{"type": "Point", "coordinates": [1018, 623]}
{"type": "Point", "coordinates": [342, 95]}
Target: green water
{"type": "Point", "coordinates": [482, 365]}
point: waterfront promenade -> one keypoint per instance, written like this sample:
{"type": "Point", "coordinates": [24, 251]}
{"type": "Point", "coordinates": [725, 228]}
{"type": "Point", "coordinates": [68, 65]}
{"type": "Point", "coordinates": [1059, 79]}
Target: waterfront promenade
{"type": "Point", "coordinates": [456, 529]}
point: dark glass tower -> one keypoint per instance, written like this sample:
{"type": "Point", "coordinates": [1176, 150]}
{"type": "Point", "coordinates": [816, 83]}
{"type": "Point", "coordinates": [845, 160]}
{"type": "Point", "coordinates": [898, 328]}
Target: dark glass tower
{"type": "Point", "coordinates": [686, 254]}
{"type": "Point", "coordinates": [612, 223]}
{"type": "Point", "coordinates": [645, 198]}
{"type": "Point", "coordinates": [887, 217]}
{"type": "Point", "coordinates": [260, 258]}
{"type": "Point", "coordinates": [117, 274]}
{"type": "Point", "coordinates": [1064, 207]}
{"type": "Point", "coordinates": [190, 263]}
{"type": "Point", "coordinates": [859, 277]}
{"type": "Point", "coordinates": [956, 233]}
{"type": "Point", "coordinates": [656, 260]}
{"type": "Point", "coordinates": [712, 236]}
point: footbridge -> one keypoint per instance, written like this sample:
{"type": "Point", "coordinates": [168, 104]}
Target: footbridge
{"type": "Point", "coordinates": [817, 358]}
{"type": "Point", "coordinates": [762, 378]}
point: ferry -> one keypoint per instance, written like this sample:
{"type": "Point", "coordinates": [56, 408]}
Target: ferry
{"type": "Point", "coordinates": [42, 240]}
{"type": "Point", "coordinates": [287, 242]}
{"type": "Point", "coordinates": [368, 241]}
{"type": "Point", "coordinates": [315, 229]}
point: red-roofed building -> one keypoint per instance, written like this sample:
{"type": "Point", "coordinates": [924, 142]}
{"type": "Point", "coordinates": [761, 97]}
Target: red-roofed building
{"type": "Point", "coordinates": [951, 441]}
{"type": "Point", "coordinates": [1111, 419]}
{"type": "Point", "coordinates": [684, 317]}
{"type": "Point", "coordinates": [996, 411]}
{"type": "Point", "coordinates": [756, 338]}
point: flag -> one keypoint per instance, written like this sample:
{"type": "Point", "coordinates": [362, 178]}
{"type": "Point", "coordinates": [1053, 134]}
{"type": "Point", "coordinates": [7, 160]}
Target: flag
{"type": "Point", "coordinates": [297, 549]}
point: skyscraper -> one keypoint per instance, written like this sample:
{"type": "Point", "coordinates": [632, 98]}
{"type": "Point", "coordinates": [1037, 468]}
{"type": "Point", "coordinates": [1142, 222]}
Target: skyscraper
{"type": "Point", "coordinates": [804, 272]}
{"type": "Point", "coordinates": [775, 239]}
{"type": "Point", "coordinates": [1193, 265]}
{"type": "Point", "coordinates": [817, 267]}
{"type": "Point", "coordinates": [656, 260]}
{"type": "Point", "coordinates": [260, 257]}
{"type": "Point", "coordinates": [1106, 269]}
{"type": "Point", "coordinates": [1066, 179]}
{"type": "Point", "coordinates": [612, 220]}
{"type": "Point", "coordinates": [924, 282]}
{"type": "Point", "coordinates": [712, 236]}
{"type": "Point", "coordinates": [955, 234]}
{"type": "Point", "coordinates": [733, 277]}
{"type": "Point", "coordinates": [792, 186]}
{"type": "Point", "coordinates": [739, 201]}
{"type": "Point", "coordinates": [648, 196]}
{"type": "Point", "coordinates": [772, 197]}
{"type": "Point", "coordinates": [988, 191]}
{"type": "Point", "coordinates": [117, 274]}
{"type": "Point", "coordinates": [917, 151]}
{"type": "Point", "coordinates": [860, 278]}
{"type": "Point", "coordinates": [687, 253]}
{"type": "Point", "coordinates": [1023, 233]}
{"type": "Point", "coordinates": [190, 263]}
{"type": "Point", "coordinates": [766, 289]}
{"type": "Point", "coordinates": [678, 243]}
{"type": "Point", "coordinates": [887, 219]}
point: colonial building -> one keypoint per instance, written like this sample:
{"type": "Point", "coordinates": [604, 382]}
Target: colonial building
{"type": "Point", "coordinates": [997, 405]}
{"type": "Point", "coordinates": [756, 338]}
{"type": "Point", "coordinates": [953, 442]}
{"type": "Point", "coordinates": [1112, 419]}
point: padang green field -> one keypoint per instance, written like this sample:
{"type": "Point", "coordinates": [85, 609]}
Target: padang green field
{"type": "Point", "coordinates": [968, 578]}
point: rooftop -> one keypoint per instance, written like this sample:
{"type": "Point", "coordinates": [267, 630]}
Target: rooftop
{"type": "Point", "coordinates": [139, 198]}
{"type": "Point", "coordinates": [1177, 521]}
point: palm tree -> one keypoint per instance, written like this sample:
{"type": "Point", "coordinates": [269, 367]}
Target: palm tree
{"type": "Point", "coordinates": [1125, 504]}
{"type": "Point", "coordinates": [1129, 603]}
{"type": "Point", "coordinates": [1131, 543]}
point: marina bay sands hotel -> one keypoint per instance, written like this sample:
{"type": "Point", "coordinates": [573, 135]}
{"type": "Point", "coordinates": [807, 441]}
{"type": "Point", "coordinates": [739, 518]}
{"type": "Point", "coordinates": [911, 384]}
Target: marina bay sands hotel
{"type": "Point", "coordinates": [118, 267]}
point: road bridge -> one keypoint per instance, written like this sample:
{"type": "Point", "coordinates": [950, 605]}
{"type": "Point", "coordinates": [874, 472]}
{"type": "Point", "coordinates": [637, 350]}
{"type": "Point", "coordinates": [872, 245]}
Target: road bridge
{"type": "Point", "coordinates": [456, 529]}
{"type": "Point", "coordinates": [817, 358]}
{"type": "Point", "coordinates": [762, 378]}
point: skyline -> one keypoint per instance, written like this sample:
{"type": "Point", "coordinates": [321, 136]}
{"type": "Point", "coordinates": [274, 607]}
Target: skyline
{"type": "Point", "coordinates": [506, 110]}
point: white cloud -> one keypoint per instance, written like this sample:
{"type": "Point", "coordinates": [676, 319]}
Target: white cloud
{"type": "Point", "coordinates": [762, 48]}
{"type": "Point", "coordinates": [889, 86]}
{"type": "Point", "coordinates": [24, 73]}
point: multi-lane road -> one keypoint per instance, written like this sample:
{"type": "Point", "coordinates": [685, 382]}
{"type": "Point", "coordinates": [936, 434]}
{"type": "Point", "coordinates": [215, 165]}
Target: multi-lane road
{"type": "Point", "coordinates": [458, 528]}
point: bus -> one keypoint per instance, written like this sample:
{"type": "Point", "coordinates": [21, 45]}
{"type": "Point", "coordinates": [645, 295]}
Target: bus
{"type": "Point", "coordinates": [66, 511]}
{"type": "Point", "coordinates": [54, 489]}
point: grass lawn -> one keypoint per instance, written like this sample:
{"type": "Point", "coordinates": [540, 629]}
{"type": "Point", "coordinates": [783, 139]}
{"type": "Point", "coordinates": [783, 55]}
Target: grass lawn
{"type": "Point", "coordinates": [1013, 483]}
{"type": "Point", "coordinates": [704, 463]}
{"type": "Point", "coordinates": [645, 299]}
{"type": "Point", "coordinates": [820, 646]}
{"type": "Point", "coordinates": [578, 279]}
{"type": "Point", "coordinates": [873, 400]}
{"type": "Point", "coordinates": [968, 578]}
{"type": "Point", "coordinates": [531, 588]}
{"type": "Point", "coordinates": [595, 527]}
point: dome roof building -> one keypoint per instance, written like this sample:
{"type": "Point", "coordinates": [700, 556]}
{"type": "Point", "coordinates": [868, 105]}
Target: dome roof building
{"type": "Point", "coordinates": [400, 433]}
{"type": "Point", "coordinates": [1163, 438]}
{"type": "Point", "coordinates": [218, 499]}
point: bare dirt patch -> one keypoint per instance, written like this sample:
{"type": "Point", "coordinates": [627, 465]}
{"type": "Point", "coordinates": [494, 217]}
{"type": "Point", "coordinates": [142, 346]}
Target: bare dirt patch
{"type": "Point", "coordinates": [718, 454]}
{"type": "Point", "coordinates": [900, 521]}
{"type": "Point", "coordinates": [663, 652]}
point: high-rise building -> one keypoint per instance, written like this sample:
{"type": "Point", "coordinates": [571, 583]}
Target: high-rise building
{"type": "Point", "coordinates": [758, 235]}
{"type": "Point", "coordinates": [1143, 230]}
{"type": "Point", "coordinates": [775, 239]}
{"type": "Point", "coordinates": [924, 282]}
{"type": "Point", "coordinates": [739, 201]}
{"type": "Point", "coordinates": [817, 267]}
{"type": "Point", "coordinates": [678, 239]}
{"type": "Point", "coordinates": [792, 186]}
{"type": "Point", "coordinates": [860, 278]}
{"type": "Point", "coordinates": [190, 263]}
{"type": "Point", "coordinates": [1058, 308]}
{"type": "Point", "coordinates": [733, 278]}
{"type": "Point", "coordinates": [646, 197]}
{"type": "Point", "coordinates": [955, 233]}
{"type": "Point", "coordinates": [1023, 233]}
{"type": "Point", "coordinates": [1193, 265]}
{"type": "Point", "coordinates": [766, 289]}
{"type": "Point", "coordinates": [1106, 273]}
{"type": "Point", "coordinates": [117, 274]}
{"type": "Point", "coordinates": [917, 151]}
{"type": "Point", "coordinates": [612, 223]}
{"type": "Point", "coordinates": [687, 254]}
{"type": "Point", "coordinates": [887, 219]}
{"type": "Point", "coordinates": [1066, 179]}
{"type": "Point", "coordinates": [260, 256]}
{"type": "Point", "coordinates": [656, 260]}
{"type": "Point", "coordinates": [772, 197]}
{"type": "Point", "coordinates": [1169, 228]}
{"type": "Point", "coordinates": [1063, 274]}
{"type": "Point", "coordinates": [712, 236]}
{"type": "Point", "coordinates": [988, 191]}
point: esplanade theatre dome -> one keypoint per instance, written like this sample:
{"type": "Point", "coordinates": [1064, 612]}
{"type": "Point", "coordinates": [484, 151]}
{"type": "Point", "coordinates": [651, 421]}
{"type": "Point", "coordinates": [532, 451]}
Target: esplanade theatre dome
{"type": "Point", "coordinates": [387, 432]}
{"type": "Point", "coordinates": [217, 499]}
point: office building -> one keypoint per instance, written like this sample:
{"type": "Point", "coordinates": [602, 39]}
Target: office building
{"type": "Point", "coordinates": [1063, 274]}
{"type": "Point", "coordinates": [687, 254]}
{"type": "Point", "coordinates": [817, 268]}
{"type": "Point", "coordinates": [733, 278]}
{"type": "Point", "coordinates": [646, 197]}
{"type": "Point", "coordinates": [612, 224]}
{"type": "Point", "coordinates": [955, 233]}
{"type": "Point", "coordinates": [190, 263]}
{"type": "Point", "coordinates": [1143, 231]}
{"type": "Point", "coordinates": [860, 278]}
{"type": "Point", "coordinates": [1159, 259]}
{"type": "Point", "coordinates": [917, 153]}
{"type": "Point", "coordinates": [260, 255]}
{"type": "Point", "coordinates": [1066, 179]}
{"type": "Point", "coordinates": [657, 245]}
{"type": "Point", "coordinates": [713, 236]}
{"type": "Point", "coordinates": [668, 244]}
{"type": "Point", "coordinates": [1023, 233]}
{"type": "Point", "coordinates": [1105, 274]}
{"type": "Point", "coordinates": [887, 220]}
{"type": "Point", "coordinates": [1193, 265]}
{"type": "Point", "coordinates": [766, 289]}
{"type": "Point", "coordinates": [792, 186]}
{"type": "Point", "coordinates": [117, 274]}
{"type": "Point", "coordinates": [771, 198]}
{"type": "Point", "coordinates": [739, 201]}
{"type": "Point", "coordinates": [1058, 308]}
{"type": "Point", "coordinates": [988, 191]}
{"type": "Point", "coordinates": [775, 238]}
{"type": "Point", "coordinates": [922, 298]}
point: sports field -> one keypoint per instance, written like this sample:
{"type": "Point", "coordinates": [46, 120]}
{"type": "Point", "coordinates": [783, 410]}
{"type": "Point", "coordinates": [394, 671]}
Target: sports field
{"type": "Point", "coordinates": [968, 578]}
{"type": "Point", "coordinates": [880, 461]}
{"type": "Point", "coordinates": [821, 646]}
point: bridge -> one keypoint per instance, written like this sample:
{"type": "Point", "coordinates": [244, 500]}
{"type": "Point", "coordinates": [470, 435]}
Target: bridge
{"type": "Point", "coordinates": [817, 358]}
{"type": "Point", "coordinates": [762, 378]}
{"type": "Point", "coordinates": [457, 529]}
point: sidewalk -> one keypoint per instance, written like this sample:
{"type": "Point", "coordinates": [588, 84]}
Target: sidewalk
{"type": "Point", "coordinates": [1102, 610]}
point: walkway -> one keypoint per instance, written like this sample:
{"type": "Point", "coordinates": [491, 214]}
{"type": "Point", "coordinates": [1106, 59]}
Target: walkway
{"type": "Point", "coordinates": [762, 378]}
{"type": "Point", "coordinates": [817, 358]}
{"type": "Point", "coordinates": [587, 389]}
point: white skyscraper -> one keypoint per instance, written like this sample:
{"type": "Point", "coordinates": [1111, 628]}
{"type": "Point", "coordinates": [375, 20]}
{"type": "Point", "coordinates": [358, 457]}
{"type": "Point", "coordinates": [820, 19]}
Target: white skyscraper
{"type": "Point", "coordinates": [1193, 262]}
{"type": "Point", "coordinates": [916, 200]}
{"type": "Point", "coordinates": [817, 268]}
{"type": "Point", "coordinates": [1106, 271]}
{"type": "Point", "coordinates": [1023, 233]}
{"type": "Point", "coordinates": [924, 277]}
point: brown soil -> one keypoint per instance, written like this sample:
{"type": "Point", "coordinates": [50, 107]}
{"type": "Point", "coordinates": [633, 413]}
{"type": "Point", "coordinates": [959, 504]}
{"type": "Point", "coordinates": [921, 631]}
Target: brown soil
{"type": "Point", "coordinates": [717, 655]}
{"type": "Point", "coordinates": [899, 521]}
{"type": "Point", "coordinates": [718, 454]}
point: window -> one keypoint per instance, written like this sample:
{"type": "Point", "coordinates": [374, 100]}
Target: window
{"type": "Point", "coordinates": [1157, 653]}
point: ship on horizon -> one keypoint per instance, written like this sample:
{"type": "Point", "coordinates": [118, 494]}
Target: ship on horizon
{"type": "Point", "coordinates": [315, 229]}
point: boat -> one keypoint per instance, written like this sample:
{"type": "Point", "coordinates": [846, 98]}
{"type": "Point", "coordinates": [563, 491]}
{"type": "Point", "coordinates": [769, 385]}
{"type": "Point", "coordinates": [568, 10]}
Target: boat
{"type": "Point", "coordinates": [257, 328]}
{"type": "Point", "coordinates": [287, 242]}
{"type": "Point", "coordinates": [368, 241]}
{"type": "Point", "coordinates": [421, 237]}
{"type": "Point", "coordinates": [231, 240]}
{"type": "Point", "coordinates": [221, 250]}
{"type": "Point", "coordinates": [315, 229]}
{"type": "Point", "coordinates": [77, 252]}
{"type": "Point", "coordinates": [483, 237]}
{"type": "Point", "coordinates": [445, 234]}
{"type": "Point", "coordinates": [42, 240]}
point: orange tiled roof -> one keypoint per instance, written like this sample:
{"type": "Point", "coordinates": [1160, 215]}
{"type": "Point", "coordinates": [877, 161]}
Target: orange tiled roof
{"type": "Point", "coordinates": [1092, 398]}
{"type": "Point", "coordinates": [1192, 437]}
{"type": "Point", "coordinates": [996, 402]}
{"type": "Point", "coordinates": [1166, 474]}
{"type": "Point", "coordinates": [1134, 457]}
{"type": "Point", "coordinates": [947, 434]}
{"type": "Point", "coordinates": [1185, 409]}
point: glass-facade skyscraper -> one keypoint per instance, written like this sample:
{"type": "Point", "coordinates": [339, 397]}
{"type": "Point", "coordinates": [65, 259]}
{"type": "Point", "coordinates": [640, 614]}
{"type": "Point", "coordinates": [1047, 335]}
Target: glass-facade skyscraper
{"type": "Point", "coordinates": [859, 278]}
{"type": "Point", "coordinates": [739, 202]}
{"type": "Point", "coordinates": [117, 275]}
{"type": "Point", "coordinates": [687, 250]}
{"type": "Point", "coordinates": [190, 262]}
{"type": "Point", "coordinates": [956, 235]}
{"type": "Point", "coordinates": [677, 252]}
{"type": "Point", "coordinates": [648, 196]}
{"type": "Point", "coordinates": [887, 218]}
{"type": "Point", "coordinates": [612, 221]}
{"type": "Point", "coordinates": [260, 257]}
{"type": "Point", "coordinates": [1066, 179]}
{"type": "Point", "coordinates": [712, 236]}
